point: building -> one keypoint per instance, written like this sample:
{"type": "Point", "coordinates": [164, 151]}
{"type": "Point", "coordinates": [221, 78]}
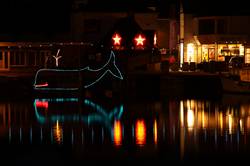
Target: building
{"type": "Point", "coordinates": [91, 23]}
{"type": "Point", "coordinates": [216, 38]}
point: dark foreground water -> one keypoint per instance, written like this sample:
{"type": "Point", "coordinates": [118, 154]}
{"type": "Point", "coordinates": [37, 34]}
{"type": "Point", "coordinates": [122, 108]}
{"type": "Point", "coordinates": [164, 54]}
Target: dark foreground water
{"type": "Point", "coordinates": [78, 131]}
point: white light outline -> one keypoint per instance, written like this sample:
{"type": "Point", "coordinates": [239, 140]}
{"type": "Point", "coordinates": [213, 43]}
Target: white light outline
{"type": "Point", "coordinates": [112, 55]}
{"type": "Point", "coordinates": [57, 57]}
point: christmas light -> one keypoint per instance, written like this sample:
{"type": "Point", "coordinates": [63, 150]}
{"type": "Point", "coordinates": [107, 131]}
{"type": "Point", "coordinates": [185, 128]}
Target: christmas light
{"type": "Point", "coordinates": [117, 39]}
{"type": "Point", "coordinates": [109, 67]}
{"type": "Point", "coordinates": [140, 40]}
{"type": "Point", "coordinates": [101, 115]}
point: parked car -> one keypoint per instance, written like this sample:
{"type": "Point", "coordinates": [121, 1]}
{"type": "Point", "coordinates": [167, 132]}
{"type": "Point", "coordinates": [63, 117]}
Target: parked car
{"type": "Point", "coordinates": [236, 62]}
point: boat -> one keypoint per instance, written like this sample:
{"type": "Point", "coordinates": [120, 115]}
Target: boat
{"type": "Point", "coordinates": [237, 82]}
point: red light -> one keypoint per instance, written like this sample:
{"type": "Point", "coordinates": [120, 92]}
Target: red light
{"type": "Point", "coordinates": [42, 104]}
{"type": "Point", "coordinates": [42, 85]}
{"type": "Point", "coordinates": [117, 39]}
{"type": "Point", "coordinates": [140, 40]}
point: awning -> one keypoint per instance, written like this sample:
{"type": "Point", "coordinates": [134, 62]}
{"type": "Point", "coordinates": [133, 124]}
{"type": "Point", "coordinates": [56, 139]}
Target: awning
{"type": "Point", "coordinates": [221, 39]}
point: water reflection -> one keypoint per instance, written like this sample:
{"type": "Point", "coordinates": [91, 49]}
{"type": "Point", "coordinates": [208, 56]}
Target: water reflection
{"type": "Point", "coordinates": [140, 132]}
{"type": "Point", "coordinates": [182, 126]}
{"type": "Point", "coordinates": [118, 133]}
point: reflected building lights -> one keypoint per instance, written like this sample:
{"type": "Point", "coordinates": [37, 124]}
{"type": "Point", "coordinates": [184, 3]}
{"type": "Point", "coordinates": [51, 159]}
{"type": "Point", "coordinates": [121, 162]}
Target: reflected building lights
{"type": "Point", "coordinates": [58, 133]}
{"type": "Point", "coordinates": [155, 132]}
{"type": "Point", "coordinates": [181, 114]}
{"type": "Point", "coordinates": [221, 121]}
{"type": "Point", "coordinates": [241, 126]}
{"type": "Point", "coordinates": [230, 123]}
{"type": "Point", "coordinates": [190, 119]}
{"type": "Point", "coordinates": [140, 132]}
{"type": "Point", "coordinates": [117, 133]}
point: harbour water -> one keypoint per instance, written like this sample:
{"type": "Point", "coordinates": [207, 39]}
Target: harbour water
{"type": "Point", "coordinates": [69, 131]}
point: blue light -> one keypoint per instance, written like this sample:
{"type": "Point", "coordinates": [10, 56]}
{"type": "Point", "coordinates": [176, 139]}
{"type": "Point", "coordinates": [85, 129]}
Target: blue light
{"type": "Point", "coordinates": [101, 115]}
{"type": "Point", "coordinates": [109, 67]}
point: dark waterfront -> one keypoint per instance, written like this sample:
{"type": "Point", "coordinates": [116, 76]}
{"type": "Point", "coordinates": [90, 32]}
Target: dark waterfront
{"type": "Point", "coordinates": [71, 131]}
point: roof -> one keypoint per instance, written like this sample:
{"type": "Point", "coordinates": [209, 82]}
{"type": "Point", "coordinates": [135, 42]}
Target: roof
{"type": "Point", "coordinates": [208, 39]}
{"type": "Point", "coordinates": [113, 6]}
{"type": "Point", "coordinates": [126, 27]}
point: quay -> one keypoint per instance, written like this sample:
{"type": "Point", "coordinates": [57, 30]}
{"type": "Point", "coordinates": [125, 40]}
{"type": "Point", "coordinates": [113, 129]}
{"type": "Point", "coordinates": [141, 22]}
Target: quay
{"type": "Point", "coordinates": [135, 84]}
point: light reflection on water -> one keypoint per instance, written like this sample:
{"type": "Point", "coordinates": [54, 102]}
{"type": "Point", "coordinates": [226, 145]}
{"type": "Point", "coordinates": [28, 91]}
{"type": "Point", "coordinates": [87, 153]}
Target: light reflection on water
{"type": "Point", "coordinates": [178, 126]}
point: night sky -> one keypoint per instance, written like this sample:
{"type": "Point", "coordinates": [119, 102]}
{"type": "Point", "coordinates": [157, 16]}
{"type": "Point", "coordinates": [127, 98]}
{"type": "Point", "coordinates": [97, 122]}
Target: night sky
{"type": "Point", "coordinates": [39, 16]}
{"type": "Point", "coordinates": [51, 16]}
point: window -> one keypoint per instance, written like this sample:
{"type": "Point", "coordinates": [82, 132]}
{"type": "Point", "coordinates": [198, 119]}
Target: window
{"type": "Point", "coordinates": [206, 26]}
{"type": "Point", "coordinates": [221, 27]}
{"type": "Point", "coordinates": [92, 25]}
{"type": "Point", "coordinates": [31, 58]}
{"type": "Point", "coordinates": [17, 58]}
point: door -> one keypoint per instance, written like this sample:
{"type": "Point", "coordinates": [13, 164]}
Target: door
{"type": "Point", "coordinates": [4, 60]}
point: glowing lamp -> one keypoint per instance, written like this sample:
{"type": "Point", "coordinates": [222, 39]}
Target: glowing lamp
{"type": "Point", "coordinates": [140, 39]}
{"type": "Point", "coordinates": [117, 39]}
{"type": "Point", "coordinates": [42, 104]}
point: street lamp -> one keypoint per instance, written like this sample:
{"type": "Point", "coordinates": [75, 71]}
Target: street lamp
{"type": "Point", "coordinates": [181, 34]}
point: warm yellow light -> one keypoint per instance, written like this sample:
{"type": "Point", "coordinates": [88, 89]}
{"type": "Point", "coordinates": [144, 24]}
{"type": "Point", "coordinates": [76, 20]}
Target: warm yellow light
{"type": "Point", "coordinates": [117, 133]}
{"type": "Point", "coordinates": [230, 123]}
{"type": "Point", "coordinates": [58, 133]}
{"type": "Point", "coordinates": [241, 126]}
{"type": "Point", "coordinates": [117, 39]}
{"type": "Point", "coordinates": [190, 52]}
{"type": "Point", "coordinates": [204, 119]}
{"type": "Point", "coordinates": [241, 48]}
{"type": "Point", "coordinates": [181, 114]}
{"type": "Point", "coordinates": [140, 40]}
{"type": "Point", "coordinates": [181, 53]}
{"type": "Point", "coordinates": [155, 132]}
{"type": "Point", "coordinates": [140, 131]}
{"type": "Point", "coordinates": [221, 121]}
{"type": "Point", "coordinates": [155, 39]}
{"type": "Point", "coordinates": [190, 119]}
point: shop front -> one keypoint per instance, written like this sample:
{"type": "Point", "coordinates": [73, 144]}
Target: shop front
{"type": "Point", "coordinates": [207, 48]}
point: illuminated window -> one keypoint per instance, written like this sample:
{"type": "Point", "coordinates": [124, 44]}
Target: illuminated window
{"type": "Point", "coordinates": [190, 52]}
{"type": "Point", "coordinates": [247, 55]}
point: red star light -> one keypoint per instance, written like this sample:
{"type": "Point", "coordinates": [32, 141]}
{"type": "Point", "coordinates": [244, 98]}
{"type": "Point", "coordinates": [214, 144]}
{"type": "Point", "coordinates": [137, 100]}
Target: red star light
{"type": "Point", "coordinates": [140, 40]}
{"type": "Point", "coordinates": [117, 39]}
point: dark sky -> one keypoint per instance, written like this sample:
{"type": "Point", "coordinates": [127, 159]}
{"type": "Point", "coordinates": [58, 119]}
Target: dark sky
{"type": "Point", "coordinates": [50, 16]}
{"type": "Point", "coordinates": [20, 16]}
{"type": "Point", "coordinates": [221, 7]}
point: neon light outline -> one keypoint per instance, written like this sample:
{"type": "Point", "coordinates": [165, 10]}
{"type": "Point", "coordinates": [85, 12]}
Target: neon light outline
{"type": "Point", "coordinates": [57, 57]}
{"type": "Point", "coordinates": [42, 85]}
{"type": "Point", "coordinates": [112, 55]}
{"type": "Point", "coordinates": [101, 114]}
